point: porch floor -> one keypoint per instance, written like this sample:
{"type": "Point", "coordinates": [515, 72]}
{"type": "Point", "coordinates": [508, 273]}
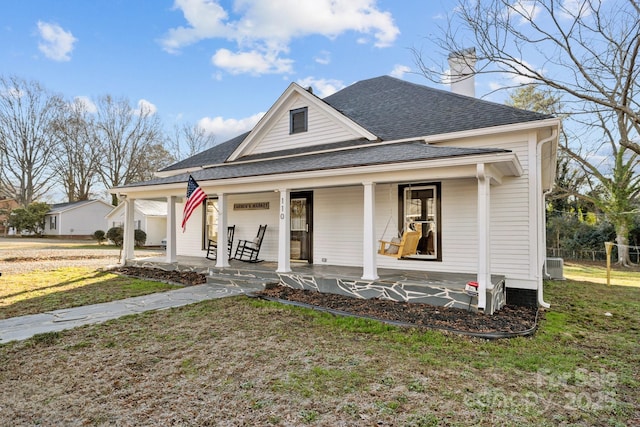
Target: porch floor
{"type": "Point", "coordinates": [435, 288]}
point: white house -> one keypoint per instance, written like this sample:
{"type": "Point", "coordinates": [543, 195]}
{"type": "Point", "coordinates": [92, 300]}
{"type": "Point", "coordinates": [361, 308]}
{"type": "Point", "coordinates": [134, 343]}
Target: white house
{"type": "Point", "coordinates": [76, 219]}
{"type": "Point", "coordinates": [149, 216]}
{"type": "Point", "coordinates": [331, 177]}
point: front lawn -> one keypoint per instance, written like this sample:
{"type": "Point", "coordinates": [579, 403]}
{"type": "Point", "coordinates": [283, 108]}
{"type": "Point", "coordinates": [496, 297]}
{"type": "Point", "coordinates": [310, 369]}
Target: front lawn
{"type": "Point", "coordinates": [39, 291]}
{"type": "Point", "coordinates": [241, 361]}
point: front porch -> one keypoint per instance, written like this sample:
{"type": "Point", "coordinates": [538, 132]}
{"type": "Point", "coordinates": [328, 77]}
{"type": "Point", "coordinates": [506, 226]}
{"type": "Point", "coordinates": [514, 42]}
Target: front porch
{"type": "Point", "coordinates": [444, 289]}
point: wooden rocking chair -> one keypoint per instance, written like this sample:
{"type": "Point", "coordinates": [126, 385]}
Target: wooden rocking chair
{"type": "Point", "coordinates": [248, 250]}
{"type": "Point", "coordinates": [407, 245]}
{"type": "Point", "coordinates": [212, 246]}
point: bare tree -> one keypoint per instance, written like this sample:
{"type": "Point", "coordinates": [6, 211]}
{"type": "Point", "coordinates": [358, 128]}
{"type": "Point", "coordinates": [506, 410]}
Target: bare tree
{"type": "Point", "coordinates": [27, 145]}
{"type": "Point", "coordinates": [126, 135]}
{"type": "Point", "coordinates": [155, 158]}
{"type": "Point", "coordinates": [188, 140]}
{"type": "Point", "coordinates": [78, 161]}
{"type": "Point", "coordinates": [612, 181]}
{"type": "Point", "coordinates": [585, 51]}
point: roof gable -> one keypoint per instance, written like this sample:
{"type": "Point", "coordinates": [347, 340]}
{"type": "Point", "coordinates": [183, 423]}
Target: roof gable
{"type": "Point", "coordinates": [325, 125]}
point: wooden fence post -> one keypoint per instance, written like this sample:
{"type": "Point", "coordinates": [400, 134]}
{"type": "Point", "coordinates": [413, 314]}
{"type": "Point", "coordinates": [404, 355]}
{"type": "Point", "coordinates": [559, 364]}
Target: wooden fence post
{"type": "Point", "coordinates": [608, 246]}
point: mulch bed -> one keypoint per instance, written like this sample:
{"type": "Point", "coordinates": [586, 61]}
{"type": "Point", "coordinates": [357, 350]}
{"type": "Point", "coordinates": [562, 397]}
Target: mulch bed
{"type": "Point", "coordinates": [188, 278]}
{"type": "Point", "coordinates": [509, 320]}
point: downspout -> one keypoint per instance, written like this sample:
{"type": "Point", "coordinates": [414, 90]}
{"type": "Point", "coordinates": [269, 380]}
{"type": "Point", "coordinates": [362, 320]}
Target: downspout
{"type": "Point", "coordinates": [541, 225]}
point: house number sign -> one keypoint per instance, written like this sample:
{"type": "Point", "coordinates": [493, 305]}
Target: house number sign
{"type": "Point", "coordinates": [250, 206]}
{"type": "Point", "coordinates": [282, 202]}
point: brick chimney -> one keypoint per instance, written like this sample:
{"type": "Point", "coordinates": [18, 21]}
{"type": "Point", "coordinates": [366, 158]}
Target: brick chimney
{"type": "Point", "coordinates": [462, 68]}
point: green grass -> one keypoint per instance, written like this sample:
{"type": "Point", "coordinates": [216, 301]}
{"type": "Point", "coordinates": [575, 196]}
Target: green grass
{"type": "Point", "coordinates": [596, 272]}
{"type": "Point", "coordinates": [37, 292]}
{"type": "Point", "coordinates": [282, 365]}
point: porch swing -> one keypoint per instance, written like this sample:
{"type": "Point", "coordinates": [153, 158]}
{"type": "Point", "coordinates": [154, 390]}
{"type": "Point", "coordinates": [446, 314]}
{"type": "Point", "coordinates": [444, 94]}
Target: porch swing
{"type": "Point", "coordinates": [399, 247]}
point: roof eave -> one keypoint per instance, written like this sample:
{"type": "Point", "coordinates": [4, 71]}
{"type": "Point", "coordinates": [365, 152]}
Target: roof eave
{"type": "Point", "coordinates": [514, 127]}
{"type": "Point", "coordinates": [506, 162]}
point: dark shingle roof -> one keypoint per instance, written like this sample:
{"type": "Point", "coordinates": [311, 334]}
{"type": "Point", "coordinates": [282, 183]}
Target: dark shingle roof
{"type": "Point", "coordinates": [371, 154]}
{"type": "Point", "coordinates": [391, 109]}
{"type": "Point", "coordinates": [395, 109]}
{"type": "Point", "coordinates": [58, 207]}
{"type": "Point", "coordinates": [212, 156]}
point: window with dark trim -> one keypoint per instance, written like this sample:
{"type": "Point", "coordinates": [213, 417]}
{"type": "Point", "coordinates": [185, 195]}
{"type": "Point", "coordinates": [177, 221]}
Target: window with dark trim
{"type": "Point", "coordinates": [53, 220]}
{"type": "Point", "coordinates": [420, 209]}
{"type": "Point", "coordinates": [298, 120]}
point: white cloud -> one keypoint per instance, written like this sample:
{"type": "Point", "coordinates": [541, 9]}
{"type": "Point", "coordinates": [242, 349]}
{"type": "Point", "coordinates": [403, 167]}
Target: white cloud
{"type": "Point", "coordinates": [575, 8]}
{"type": "Point", "coordinates": [494, 86]}
{"type": "Point", "coordinates": [523, 72]}
{"type": "Point", "coordinates": [225, 129]}
{"type": "Point", "coordinates": [323, 58]}
{"type": "Point", "coordinates": [146, 107]}
{"type": "Point", "coordinates": [400, 70]}
{"type": "Point", "coordinates": [86, 103]}
{"type": "Point", "coordinates": [266, 27]}
{"type": "Point", "coordinates": [322, 87]}
{"type": "Point", "coordinates": [251, 62]}
{"type": "Point", "coordinates": [528, 10]}
{"type": "Point", "coordinates": [205, 18]}
{"type": "Point", "coordinates": [56, 43]}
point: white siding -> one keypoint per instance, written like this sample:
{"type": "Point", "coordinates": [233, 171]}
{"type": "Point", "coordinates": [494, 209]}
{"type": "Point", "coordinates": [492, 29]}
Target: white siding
{"type": "Point", "coordinates": [321, 129]}
{"type": "Point", "coordinates": [512, 252]}
{"type": "Point", "coordinates": [458, 223]}
{"type": "Point", "coordinates": [83, 220]}
{"type": "Point", "coordinates": [337, 225]}
{"type": "Point", "coordinates": [190, 243]}
{"type": "Point", "coordinates": [459, 226]}
{"type": "Point", "coordinates": [156, 229]}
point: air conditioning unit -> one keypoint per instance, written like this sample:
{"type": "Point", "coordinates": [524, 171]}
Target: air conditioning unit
{"type": "Point", "coordinates": [555, 268]}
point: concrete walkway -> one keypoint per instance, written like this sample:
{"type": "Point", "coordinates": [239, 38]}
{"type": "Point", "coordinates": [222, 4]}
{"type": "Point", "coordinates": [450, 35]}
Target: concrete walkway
{"type": "Point", "coordinates": [24, 327]}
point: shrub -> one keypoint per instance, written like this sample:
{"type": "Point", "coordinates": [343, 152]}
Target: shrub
{"type": "Point", "coordinates": [116, 235]}
{"type": "Point", "coordinates": [100, 236]}
{"type": "Point", "coordinates": [140, 237]}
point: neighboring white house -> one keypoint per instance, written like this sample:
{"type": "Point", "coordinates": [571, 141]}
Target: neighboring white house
{"type": "Point", "coordinates": [76, 219]}
{"type": "Point", "coordinates": [331, 177]}
{"type": "Point", "coordinates": [150, 216]}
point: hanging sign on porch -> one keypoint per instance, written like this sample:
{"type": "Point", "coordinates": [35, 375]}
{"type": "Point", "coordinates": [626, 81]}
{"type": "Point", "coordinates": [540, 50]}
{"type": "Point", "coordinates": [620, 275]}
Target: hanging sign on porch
{"type": "Point", "coordinates": [250, 206]}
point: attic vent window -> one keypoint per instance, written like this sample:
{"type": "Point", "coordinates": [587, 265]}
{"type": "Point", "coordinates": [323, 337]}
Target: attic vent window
{"type": "Point", "coordinates": [298, 120]}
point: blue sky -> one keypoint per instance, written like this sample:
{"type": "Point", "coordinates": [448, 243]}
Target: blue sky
{"type": "Point", "coordinates": [218, 63]}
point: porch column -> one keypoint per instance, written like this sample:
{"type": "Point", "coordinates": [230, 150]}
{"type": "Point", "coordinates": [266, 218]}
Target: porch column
{"type": "Point", "coordinates": [284, 226]}
{"type": "Point", "coordinates": [222, 260]}
{"type": "Point", "coordinates": [171, 254]}
{"type": "Point", "coordinates": [369, 262]}
{"type": "Point", "coordinates": [128, 238]}
{"type": "Point", "coordinates": [484, 233]}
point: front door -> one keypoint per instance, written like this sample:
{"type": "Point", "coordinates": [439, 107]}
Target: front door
{"type": "Point", "coordinates": [302, 226]}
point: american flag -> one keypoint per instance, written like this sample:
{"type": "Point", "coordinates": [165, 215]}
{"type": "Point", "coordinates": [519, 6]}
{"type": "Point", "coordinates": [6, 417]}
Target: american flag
{"type": "Point", "coordinates": [195, 196]}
